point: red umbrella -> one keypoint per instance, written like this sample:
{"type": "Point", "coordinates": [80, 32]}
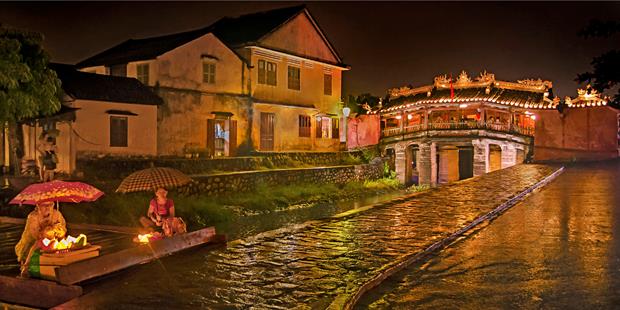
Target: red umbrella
{"type": "Point", "coordinates": [58, 191]}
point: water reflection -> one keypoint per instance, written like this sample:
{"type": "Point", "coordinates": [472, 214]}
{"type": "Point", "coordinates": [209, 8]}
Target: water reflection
{"type": "Point", "coordinates": [308, 266]}
{"type": "Point", "coordinates": [559, 248]}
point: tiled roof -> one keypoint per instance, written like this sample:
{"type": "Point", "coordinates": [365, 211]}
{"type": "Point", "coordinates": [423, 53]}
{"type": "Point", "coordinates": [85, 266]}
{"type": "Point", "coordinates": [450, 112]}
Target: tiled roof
{"type": "Point", "coordinates": [234, 32]}
{"type": "Point", "coordinates": [91, 86]}
{"type": "Point", "coordinates": [497, 95]}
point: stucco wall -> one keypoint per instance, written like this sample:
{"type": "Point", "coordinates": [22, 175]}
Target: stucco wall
{"type": "Point", "coordinates": [92, 124]}
{"type": "Point", "coordinates": [301, 37]}
{"type": "Point", "coordinates": [311, 91]}
{"type": "Point", "coordinates": [363, 130]}
{"type": "Point", "coordinates": [182, 67]}
{"type": "Point", "coordinates": [579, 133]}
{"type": "Point", "coordinates": [286, 129]}
{"type": "Point", "coordinates": [183, 118]}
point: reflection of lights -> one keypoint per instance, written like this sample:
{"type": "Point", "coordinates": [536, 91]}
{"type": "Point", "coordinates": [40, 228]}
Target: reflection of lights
{"type": "Point", "coordinates": [528, 113]}
{"type": "Point", "coordinates": [463, 105]}
{"type": "Point", "coordinates": [398, 117]}
{"type": "Point", "coordinates": [409, 116]}
{"type": "Point", "coordinates": [533, 117]}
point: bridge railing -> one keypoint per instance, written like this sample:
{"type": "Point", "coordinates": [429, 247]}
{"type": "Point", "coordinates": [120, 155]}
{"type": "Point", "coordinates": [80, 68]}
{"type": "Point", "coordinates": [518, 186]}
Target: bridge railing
{"type": "Point", "coordinates": [508, 128]}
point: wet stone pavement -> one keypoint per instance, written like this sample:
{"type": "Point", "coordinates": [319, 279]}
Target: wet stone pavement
{"type": "Point", "coordinates": [309, 265]}
{"type": "Point", "coordinates": [557, 249]}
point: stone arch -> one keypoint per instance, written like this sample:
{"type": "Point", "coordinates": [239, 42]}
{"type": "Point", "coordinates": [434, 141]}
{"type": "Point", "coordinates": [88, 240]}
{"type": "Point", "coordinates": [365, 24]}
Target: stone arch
{"type": "Point", "coordinates": [495, 157]}
{"type": "Point", "coordinates": [412, 165]}
{"type": "Point", "coordinates": [447, 164]}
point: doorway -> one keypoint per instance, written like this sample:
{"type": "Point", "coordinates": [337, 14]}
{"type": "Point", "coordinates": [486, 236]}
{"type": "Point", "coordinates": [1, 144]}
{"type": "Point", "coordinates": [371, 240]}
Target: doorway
{"type": "Point", "coordinates": [466, 162]}
{"type": "Point", "coordinates": [267, 131]}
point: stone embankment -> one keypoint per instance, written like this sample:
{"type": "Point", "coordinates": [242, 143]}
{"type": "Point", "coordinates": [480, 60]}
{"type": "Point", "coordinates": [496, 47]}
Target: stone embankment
{"type": "Point", "coordinates": [119, 167]}
{"type": "Point", "coordinates": [225, 183]}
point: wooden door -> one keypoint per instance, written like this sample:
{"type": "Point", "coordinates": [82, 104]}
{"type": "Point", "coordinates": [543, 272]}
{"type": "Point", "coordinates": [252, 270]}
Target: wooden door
{"type": "Point", "coordinates": [232, 143]}
{"type": "Point", "coordinates": [266, 131]}
{"type": "Point", "coordinates": [466, 163]}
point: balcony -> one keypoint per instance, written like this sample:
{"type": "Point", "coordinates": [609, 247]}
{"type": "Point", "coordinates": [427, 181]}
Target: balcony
{"type": "Point", "coordinates": [507, 128]}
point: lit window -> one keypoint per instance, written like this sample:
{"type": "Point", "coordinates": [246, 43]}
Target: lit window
{"type": "Point", "coordinates": [293, 78]}
{"type": "Point", "coordinates": [143, 73]}
{"type": "Point", "coordinates": [208, 72]}
{"type": "Point", "coordinates": [323, 127]}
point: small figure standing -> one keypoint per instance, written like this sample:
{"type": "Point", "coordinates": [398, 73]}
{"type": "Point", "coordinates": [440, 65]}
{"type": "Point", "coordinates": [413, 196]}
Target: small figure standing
{"type": "Point", "coordinates": [47, 158]}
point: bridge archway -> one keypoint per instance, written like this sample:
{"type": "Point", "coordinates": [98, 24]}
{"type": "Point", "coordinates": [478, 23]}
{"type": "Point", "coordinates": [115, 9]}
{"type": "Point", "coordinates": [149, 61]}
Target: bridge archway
{"type": "Point", "coordinates": [495, 157]}
{"type": "Point", "coordinates": [412, 171]}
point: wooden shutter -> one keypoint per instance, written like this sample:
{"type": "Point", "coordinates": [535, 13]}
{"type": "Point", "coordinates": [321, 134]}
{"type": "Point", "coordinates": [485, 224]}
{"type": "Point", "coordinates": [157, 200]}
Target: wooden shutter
{"type": "Point", "coordinates": [211, 136]}
{"type": "Point", "coordinates": [232, 144]}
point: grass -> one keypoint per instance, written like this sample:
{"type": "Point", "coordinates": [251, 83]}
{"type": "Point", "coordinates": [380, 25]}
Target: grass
{"type": "Point", "coordinates": [202, 210]}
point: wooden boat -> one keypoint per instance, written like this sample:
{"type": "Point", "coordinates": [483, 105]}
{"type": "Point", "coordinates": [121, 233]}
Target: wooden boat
{"type": "Point", "coordinates": [46, 294]}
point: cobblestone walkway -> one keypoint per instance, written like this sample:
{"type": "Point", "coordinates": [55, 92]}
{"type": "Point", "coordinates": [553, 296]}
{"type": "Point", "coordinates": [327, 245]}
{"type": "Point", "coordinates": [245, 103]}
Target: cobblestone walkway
{"type": "Point", "coordinates": [308, 266]}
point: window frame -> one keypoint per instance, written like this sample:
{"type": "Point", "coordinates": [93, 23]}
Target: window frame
{"type": "Point", "coordinates": [142, 76]}
{"type": "Point", "coordinates": [115, 142]}
{"type": "Point", "coordinates": [294, 80]}
{"type": "Point", "coordinates": [327, 91]}
{"type": "Point", "coordinates": [267, 73]}
{"type": "Point", "coordinates": [209, 69]}
{"type": "Point", "coordinates": [305, 126]}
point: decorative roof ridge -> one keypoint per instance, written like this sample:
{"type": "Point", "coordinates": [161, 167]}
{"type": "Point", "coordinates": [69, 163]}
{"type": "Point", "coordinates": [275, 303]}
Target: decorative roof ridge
{"type": "Point", "coordinates": [464, 81]}
{"type": "Point", "coordinates": [588, 97]}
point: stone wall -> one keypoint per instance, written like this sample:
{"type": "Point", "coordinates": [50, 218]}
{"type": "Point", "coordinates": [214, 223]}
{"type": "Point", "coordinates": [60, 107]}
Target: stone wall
{"type": "Point", "coordinates": [590, 133]}
{"type": "Point", "coordinates": [120, 167]}
{"type": "Point", "coordinates": [233, 182]}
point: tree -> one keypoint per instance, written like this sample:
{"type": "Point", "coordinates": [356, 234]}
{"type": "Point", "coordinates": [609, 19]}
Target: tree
{"type": "Point", "coordinates": [356, 104]}
{"type": "Point", "coordinates": [606, 67]}
{"type": "Point", "coordinates": [28, 88]}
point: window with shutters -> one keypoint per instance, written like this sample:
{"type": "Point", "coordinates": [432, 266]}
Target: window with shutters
{"type": "Point", "coordinates": [208, 72]}
{"type": "Point", "coordinates": [304, 126]}
{"type": "Point", "coordinates": [118, 70]}
{"type": "Point", "coordinates": [267, 73]}
{"type": "Point", "coordinates": [293, 78]}
{"type": "Point", "coordinates": [327, 84]}
{"type": "Point", "coordinates": [143, 73]}
{"type": "Point", "coordinates": [335, 128]}
{"type": "Point", "coordinates": [118, 131]}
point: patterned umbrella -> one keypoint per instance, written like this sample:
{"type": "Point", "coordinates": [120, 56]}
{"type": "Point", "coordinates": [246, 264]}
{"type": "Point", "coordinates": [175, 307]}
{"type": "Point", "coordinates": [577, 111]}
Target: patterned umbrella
{"type": "Point", "coordinates": [153, 178]}
{"type": "Point", "coordinates": [58, 191]}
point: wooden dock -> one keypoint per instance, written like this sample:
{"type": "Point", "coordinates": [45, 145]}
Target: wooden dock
{"type": "Point", "coordinates": [118, 252]}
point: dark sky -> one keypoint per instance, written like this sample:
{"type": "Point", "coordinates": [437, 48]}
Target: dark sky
{"type": "Point", "coordinates": [387, 44]}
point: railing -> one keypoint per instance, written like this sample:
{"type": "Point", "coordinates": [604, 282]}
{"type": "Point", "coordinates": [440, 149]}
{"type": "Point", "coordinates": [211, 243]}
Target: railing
{"type": "Point", "coordinates": [528, 131]}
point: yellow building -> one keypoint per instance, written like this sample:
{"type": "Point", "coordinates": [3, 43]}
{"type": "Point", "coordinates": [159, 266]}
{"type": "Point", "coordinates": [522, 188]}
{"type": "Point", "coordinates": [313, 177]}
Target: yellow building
{"type": "Point", "coordinates": [268, 81]}
{"type": "Point", "coordinates": [100, 115]}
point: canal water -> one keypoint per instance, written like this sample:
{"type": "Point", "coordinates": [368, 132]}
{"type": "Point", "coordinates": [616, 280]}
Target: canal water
{"type": "Point", "coordinates": [308, 265]}
{"type": "Point", "coordinates": [557, 249]}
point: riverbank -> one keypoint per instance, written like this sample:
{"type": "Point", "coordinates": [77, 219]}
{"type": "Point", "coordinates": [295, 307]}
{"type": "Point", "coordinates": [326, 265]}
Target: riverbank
{"type": "Point", "coordinates": [202, 210]}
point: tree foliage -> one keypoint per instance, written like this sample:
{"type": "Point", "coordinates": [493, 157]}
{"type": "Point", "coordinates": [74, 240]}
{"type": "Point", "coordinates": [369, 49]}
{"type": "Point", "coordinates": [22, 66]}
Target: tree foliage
{"type": "Point", "coordinates": [28, 88]}
{"type": "Point", "coordinates": [606, 67]}
{"type": "Point", "coordinates": [356, 104]}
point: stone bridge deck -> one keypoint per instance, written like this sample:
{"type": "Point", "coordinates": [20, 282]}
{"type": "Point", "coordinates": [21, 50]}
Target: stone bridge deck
{"type": "Point", "coordinates": [309, 266]}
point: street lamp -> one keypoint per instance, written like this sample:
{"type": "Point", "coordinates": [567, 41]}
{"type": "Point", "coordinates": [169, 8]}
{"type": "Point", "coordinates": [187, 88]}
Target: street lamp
{"type": "Point", "coordinates": [345, 113]}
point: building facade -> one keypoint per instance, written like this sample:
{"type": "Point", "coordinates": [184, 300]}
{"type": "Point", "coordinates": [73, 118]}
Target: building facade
{"type": "Point", "coordinates": [100, 115]}
{"type": "Point", "coordinates": [268, 81]}
{"type": "Point", "coordinates": [587, 128]}
{"type": "Point", "coordinates": [455, 129]}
